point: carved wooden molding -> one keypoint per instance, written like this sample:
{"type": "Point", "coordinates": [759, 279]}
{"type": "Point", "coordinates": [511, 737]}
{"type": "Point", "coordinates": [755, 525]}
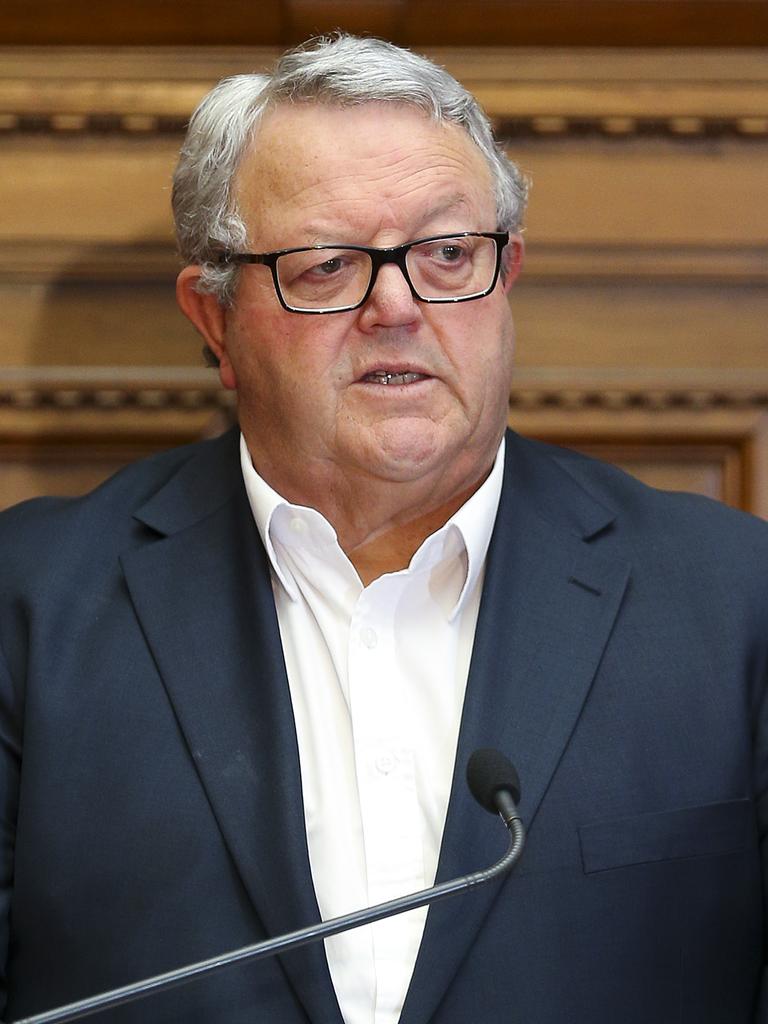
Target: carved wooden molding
{"type": "Point", "coordinates": [96, 419]}
{"type": "Point", "coordinates": [618, 391]}
{"type": "Point", "coordinates": [651, 399]}
{"type": "Point", "coordinates": [108, 389]}
{"type": "Point", "coordinates": [152, 389]}
{"type": "Point", "coordinates": [508, 129]}
{"type": "Point", "coordinates": [544, 93]}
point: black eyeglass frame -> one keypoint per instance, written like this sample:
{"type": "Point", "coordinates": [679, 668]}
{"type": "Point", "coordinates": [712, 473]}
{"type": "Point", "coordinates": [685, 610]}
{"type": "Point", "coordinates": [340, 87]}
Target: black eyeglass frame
{"type": "Point", "coordinates": [379, 257]}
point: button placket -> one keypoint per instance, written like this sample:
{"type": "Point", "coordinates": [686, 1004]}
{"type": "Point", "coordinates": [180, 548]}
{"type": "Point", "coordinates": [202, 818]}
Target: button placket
{"type": "Point", "coordinates": [369, 637]}
{"type": "Point", "coordinates": [384, 761]}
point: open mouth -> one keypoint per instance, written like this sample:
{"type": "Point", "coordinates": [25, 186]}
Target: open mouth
{"type": "Point", "coordinates": [393, 377]}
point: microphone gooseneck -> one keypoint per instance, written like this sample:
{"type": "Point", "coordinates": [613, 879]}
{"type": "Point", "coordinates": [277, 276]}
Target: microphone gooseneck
{"type": "Point", "coordinates": [493, 783]}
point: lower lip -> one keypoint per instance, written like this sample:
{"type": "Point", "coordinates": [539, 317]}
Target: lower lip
{"type": "Point", "coordinates": [408, 384]}
{"type": "Point", "coordinates": [396, 390]}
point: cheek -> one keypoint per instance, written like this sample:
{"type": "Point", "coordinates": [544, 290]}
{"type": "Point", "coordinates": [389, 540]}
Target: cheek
{"type": "Point", "coordinates": [318, 348]}
{"type": "Point", "coordinates": [289, 359]}
{"type": "Point", "coordinates": [485, 349]}
{"type": "Point", "coordinates": [495, 368]}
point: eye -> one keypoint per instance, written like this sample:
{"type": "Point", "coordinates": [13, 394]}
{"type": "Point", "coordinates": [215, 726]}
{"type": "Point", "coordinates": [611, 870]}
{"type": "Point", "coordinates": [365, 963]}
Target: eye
{"type": "Point", "coordinates": [449, 252]}
{"type": "Point", "coordinates": [445, 252]}
{"type": "Point", "coordinates": [328, 267]}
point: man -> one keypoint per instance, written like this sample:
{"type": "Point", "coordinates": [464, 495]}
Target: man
{"type": "Point", "coordinates": [240, 682]}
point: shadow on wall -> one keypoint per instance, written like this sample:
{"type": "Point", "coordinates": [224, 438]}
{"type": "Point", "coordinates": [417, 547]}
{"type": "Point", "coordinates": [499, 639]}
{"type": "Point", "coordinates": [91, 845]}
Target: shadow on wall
{"type": "Point", "coordinates": [72, 341]}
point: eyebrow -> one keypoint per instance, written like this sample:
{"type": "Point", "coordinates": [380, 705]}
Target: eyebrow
{"type": "Point", "coordinates": [457, 200]}
{"type": "Point", "coordinates": [319, 233]}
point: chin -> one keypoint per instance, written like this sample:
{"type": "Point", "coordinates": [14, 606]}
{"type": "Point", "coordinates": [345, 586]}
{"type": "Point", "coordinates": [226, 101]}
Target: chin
{"type": "Point", "coordinates": [406, 455]}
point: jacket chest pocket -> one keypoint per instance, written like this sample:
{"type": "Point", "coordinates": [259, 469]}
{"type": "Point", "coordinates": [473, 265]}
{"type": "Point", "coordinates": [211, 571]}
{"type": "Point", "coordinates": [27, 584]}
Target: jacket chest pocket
{"type": "Point", "coordinates": [706, 831]}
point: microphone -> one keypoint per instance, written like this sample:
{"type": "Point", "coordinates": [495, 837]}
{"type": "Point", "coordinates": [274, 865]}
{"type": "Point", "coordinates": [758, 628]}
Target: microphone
{"type": "Point", "coordinates": [492, 781]}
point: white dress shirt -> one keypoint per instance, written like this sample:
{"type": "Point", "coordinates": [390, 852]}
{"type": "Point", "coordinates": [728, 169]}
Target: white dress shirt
{"type": "Point", "coordinates": [377, 676]}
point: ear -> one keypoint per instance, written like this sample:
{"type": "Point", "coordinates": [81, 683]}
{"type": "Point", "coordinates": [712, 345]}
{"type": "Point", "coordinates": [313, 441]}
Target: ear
{"type": "Point", "coordinates": [512, 261]}
{"type": "Point", "coordinates": [209, 317]}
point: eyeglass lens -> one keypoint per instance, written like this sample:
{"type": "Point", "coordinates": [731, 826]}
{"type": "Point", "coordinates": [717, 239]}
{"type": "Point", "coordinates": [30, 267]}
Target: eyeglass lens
{"type": "Point", "coordinates": [446, 268]}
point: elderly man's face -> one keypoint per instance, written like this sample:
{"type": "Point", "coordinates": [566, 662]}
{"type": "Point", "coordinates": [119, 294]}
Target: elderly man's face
{"type": "Point", "coordinates": [309, 387]}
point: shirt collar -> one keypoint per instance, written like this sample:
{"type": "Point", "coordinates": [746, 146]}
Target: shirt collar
{"type": "Point", "coordinates": [265, 503]}
{"type": "Point", "coordinates": [475, 521]}
{"type": "Point", "coordinates": [470, 527]}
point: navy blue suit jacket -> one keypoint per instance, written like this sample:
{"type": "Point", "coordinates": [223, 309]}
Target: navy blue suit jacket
{"type": "Point", "coordinates": [151, 796]}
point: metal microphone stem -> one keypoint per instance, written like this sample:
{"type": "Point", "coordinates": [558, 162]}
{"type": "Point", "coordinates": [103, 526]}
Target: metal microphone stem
{"type": "Point", "coordinates": [293, 940]}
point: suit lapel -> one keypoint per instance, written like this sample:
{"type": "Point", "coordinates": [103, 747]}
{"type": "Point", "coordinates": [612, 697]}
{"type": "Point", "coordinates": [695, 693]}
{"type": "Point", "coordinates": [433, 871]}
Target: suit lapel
{"type": "Point", "coordinates": [203, 596]}
{"type": "Point", "coordinates": [549, 602]}
{"type": "Point", "coordinates": [548, 605]}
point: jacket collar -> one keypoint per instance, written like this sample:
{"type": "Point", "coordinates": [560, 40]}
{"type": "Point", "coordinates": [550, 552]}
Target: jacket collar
{"type": "Point", "coordinates": [549, 600]}
{"type": "Point", "coordinates": [201, 591]}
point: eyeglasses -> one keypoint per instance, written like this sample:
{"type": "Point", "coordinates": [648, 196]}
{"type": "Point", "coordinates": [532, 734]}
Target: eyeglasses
{"type": "Point", "coordinates": [337, 278]}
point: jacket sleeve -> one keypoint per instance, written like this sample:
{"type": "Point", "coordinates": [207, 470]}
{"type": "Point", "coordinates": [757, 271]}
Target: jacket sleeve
{"type": "Point", "coordinates": [10, 763]}
{"type": "Point", "coordinates": [761, 1012]}
{"type": "Point", "coordinates": [761, 774]}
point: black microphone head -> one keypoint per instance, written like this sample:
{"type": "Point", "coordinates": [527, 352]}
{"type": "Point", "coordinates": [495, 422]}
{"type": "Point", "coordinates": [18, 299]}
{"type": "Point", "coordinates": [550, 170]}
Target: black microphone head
{"type": "Point", "coordinates": [488, 771]}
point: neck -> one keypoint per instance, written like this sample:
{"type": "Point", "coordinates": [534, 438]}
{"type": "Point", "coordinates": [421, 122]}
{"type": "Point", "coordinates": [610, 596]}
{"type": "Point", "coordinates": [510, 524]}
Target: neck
{"type": "Point", "coordinates": [380, 524]}
{"type": "Point", "coordinates": [393, 548]}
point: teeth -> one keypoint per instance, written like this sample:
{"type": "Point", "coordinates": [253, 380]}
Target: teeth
{"type": "Point", "coordinates": [381, 377]}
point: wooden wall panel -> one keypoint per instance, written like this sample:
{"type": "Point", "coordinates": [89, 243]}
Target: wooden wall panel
{"type": "Point", "coordinates": [409, 22]}
{"type": "Point", "coordinates": [642, 325]}
{"type": "Point", "coordinates": [641, 313]}
{"type": "Point", "coordinates": [94, 323]}
{"type": "Point", "coordinates": [62, 467]}
{"type": "Point", "coordinates": [87, 189]}
{"type": "Point", "coordinates": [142, 22]}
{"type": "Point", "coordinates": [708, 440]}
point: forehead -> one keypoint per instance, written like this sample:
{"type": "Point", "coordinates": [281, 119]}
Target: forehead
{"type": "Point", "coordinates": [314, 168]}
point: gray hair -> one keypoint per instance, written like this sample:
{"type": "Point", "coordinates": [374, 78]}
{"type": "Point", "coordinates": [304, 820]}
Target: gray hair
{"type": "Point", "coordinates": [341, 70]}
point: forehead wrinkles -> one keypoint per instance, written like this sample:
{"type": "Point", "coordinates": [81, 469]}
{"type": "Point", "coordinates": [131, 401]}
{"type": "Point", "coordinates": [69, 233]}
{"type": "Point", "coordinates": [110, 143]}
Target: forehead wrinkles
{"type": "Point", "coordinates": [377, 182]}
{"type": "Point", "coordinates": [353, 163]}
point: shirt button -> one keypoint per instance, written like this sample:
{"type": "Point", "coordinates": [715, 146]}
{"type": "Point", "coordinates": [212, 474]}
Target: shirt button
{"type": "Point", "coordinates": [385, 763]}
{"type": "Point", "coordinates": [298, 525]}
{"type": "Point", "coordinates": [369, 636]}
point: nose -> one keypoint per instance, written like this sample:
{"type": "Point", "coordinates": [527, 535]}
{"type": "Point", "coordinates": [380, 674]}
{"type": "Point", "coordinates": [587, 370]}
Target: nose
{"type": "Point", "coordinates": [391, 302]}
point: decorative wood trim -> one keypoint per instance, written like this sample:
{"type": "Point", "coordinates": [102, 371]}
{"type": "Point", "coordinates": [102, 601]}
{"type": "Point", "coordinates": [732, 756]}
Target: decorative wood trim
{"type": "Point", "coordinates": [637, 398]}
{"type": "Point", "coordinates": [562, 389]}
{"type": "Point", "coordinates": [105, 415]}
{"type": "Point", "coordinates": [527, 92]}
{"type": "Point", "coordinates": [164, 388]}
{"type": "Point", "coordinates": [727, 428]}
{"type": "Point", "coordinates": [108, 389]}
{"type": "Point", "coordinates": [731, 458]}
{"type": "Point", "coordinates": [623, 126]}
{"type": "Point", "coordinates": [508, 129]}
